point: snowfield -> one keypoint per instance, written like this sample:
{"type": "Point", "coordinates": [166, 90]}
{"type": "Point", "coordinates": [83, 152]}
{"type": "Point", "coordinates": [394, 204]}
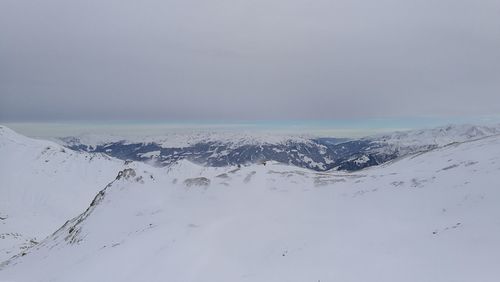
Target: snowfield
{"type": "Point", "coordinates": [432, 216]}
{"type": "Point", "coordinates": [42, 184]}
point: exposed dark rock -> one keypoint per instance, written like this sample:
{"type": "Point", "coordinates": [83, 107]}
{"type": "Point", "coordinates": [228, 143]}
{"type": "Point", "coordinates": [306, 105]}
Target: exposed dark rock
{"type": "Point", "coordinates": [198, 181]}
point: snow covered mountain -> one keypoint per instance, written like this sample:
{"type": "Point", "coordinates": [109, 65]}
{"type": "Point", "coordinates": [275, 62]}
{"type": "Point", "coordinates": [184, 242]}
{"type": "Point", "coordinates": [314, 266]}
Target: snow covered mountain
{"type": "Point", "coordinates": [42, 184]}
{"type": "Point", "coordinates": [432, 216]}
{"type": "Point", "coordinates": [320, 154]}
{"type": "Point", "coordinates": [375, 150]}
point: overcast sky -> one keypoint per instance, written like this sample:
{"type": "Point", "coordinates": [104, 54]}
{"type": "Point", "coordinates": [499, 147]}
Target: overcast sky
{"type": "Point", "coordinates": [247, 60]}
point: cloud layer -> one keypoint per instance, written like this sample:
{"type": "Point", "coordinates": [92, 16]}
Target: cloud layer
{"type": "Point", "coordinates": [248, 60]}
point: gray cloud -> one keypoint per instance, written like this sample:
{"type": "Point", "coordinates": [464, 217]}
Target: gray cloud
{"type": "Point", "coordinates": [273, 59]}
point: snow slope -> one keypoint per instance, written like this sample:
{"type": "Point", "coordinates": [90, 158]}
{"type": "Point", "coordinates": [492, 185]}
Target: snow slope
{"type": "Point", "coordinates": [42, 184]}
{"type": "Point", "coordinates": [428, 217]}
{"type": "Point", "coordinates": [374, 150]}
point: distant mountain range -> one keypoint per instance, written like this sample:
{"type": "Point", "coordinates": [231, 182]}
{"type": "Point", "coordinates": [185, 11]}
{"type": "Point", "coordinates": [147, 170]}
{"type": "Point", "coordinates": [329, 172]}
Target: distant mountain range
{"type": "Point", "coordinates": [79, 216]}
{"type": "Point", "coordinates": [320, 154]}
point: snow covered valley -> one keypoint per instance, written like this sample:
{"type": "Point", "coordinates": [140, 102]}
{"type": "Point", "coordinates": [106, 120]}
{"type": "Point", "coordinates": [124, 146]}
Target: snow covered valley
{"type": "Point", "coordinates": [428, 216]}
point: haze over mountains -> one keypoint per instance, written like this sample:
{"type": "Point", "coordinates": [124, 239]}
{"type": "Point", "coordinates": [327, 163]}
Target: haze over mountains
{"type": "Point", "coordinates": [429, 214]}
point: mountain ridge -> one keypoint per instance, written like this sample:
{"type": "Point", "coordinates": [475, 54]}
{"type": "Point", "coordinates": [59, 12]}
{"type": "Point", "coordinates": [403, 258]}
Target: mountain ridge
{"type": "Point", "coordinates": [276, 222]}
{"type": "Point", "coordinates": [320, 154]}
{"type": "Point", "coordinates": [41, 181]}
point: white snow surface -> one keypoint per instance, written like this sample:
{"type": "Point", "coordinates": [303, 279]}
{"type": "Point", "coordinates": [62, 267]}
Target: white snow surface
{"type": "Point", "coordinates": [152, 154]}
{"type": "Point", "coordinates": [43, 184]}
{"type": "Point", "coordinates": [433, 216]}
